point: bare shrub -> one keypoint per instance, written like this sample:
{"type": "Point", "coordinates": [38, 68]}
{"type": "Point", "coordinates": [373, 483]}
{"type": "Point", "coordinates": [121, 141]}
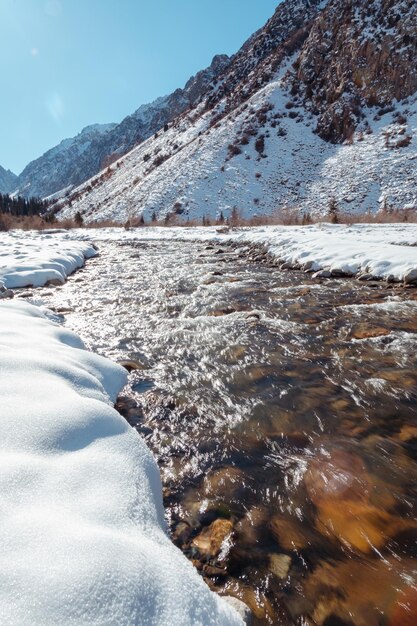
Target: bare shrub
{"type": "Point", "coordinates": [233, 150]}
{"type": "Point", "coordinates": [260, 144]}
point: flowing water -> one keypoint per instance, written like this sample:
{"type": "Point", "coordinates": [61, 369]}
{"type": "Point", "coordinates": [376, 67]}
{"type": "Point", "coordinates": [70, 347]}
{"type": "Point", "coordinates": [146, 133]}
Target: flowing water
{"type": "Point", "coordinates": [282, 412]}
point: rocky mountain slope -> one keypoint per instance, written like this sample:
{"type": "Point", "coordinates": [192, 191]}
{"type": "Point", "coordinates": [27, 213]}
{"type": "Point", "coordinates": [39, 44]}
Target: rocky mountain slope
{"type": "Point", "coordinates": [318, 104]}
{"type": "Point", "coordinates": [70, 162]}
{"type": "Point", "coordinates": [7, 180]}
{"type": "Point", "coordinates": [75, 160]}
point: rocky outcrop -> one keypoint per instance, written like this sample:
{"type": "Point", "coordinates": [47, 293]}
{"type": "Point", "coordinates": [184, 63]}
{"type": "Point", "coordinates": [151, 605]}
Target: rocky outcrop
{"type": "Point", "coordinates": [357, 54]}
{"type": "Point", "coordinates": [271, 129]}
{"type": "Point", "coordinates": [259, 58]}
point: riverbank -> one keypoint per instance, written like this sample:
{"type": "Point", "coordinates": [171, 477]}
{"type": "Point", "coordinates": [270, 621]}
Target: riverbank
{"type": "Point", "coordinates": [225, 343]}
{"type": "Point", "coordinates": [83, 537]}
{"type": "Point", "coordinates": [367, 251]}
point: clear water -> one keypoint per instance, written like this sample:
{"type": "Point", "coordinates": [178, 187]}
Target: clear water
{"type": "Point", "coordinates": [284, 407]}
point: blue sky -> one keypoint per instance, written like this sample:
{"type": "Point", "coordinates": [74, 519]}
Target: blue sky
{"type": "Point", "coordinates": [69, 63]}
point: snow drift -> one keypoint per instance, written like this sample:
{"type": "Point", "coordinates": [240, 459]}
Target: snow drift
{"type": "Point", "coordinates": [82, 533]}
{"type": "Point", "coordinates": [32, 258]}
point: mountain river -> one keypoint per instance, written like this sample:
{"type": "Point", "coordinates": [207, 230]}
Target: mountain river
{"type": "Point", "coordinates": [282, 412]}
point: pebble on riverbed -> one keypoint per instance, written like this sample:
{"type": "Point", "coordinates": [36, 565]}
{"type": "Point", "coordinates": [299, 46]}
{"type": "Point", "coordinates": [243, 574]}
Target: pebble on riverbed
{"type": "Point", "coordinates": [279, 565]}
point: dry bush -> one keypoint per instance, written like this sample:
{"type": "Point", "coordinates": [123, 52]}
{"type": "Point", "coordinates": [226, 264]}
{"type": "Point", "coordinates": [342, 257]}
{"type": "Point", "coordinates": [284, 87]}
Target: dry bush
{"type": "Point", "coordinates": [22, 222]}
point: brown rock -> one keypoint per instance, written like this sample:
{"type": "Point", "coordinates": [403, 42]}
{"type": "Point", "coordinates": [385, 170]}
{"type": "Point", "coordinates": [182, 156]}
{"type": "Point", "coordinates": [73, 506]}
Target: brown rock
{"type": "Point", "coordinates": [224, 482]}
{"type": "Point", "coordinates": [366, 331]}
{"type": "Point", "coordinates": [289, 533]}
{"type": "Point", "coordinates": [214, 538]}
{"type": "Point", "coordinates": [346, 498]}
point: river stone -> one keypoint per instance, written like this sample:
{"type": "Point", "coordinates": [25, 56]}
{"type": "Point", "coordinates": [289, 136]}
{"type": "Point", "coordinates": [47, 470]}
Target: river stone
{"type": "Point", "coordinates": [130, 365]}
{"type": "Point", "coordinates": [366, 331]}
{"type": "Point", "coordinates": [241, 608]}
{"type": "Point", "coordinates": [410, 277]}
{"type": "Point", "coordinates": [55, 282]}
{"type": "Point", "coordinates": [343, 493]}
{"type": "Point", "coordinates": [211, 540]}
{"type": "Point", "coordinates": [322, 274]}
{"type": "Point", "coordinates": [279, 565]}
{"type": "Point", "coordinates": [225, 311]}
{"type": "Point", "coordinates": [251, 527]}
{"type": "Point", "coordinates": [338, 273]}
{"type": "Point", "coordinates": [6, 293]}
{"type": "Point", "coordinates": [225, 483]}
{"type": "Point", "coordinates": [405, 610]}
{"type": "Point", "coordinates": [366, 277]}
{"type": "Point", "coordinates": [407, 433]}
{"type": "Point", "coordinates": [289, 533]}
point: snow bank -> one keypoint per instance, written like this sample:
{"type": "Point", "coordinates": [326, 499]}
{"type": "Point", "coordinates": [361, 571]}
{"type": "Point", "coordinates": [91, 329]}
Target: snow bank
{"type": "Point", "coordinates": [35, 258]}
{"type": "Point", "coordinates": [82, 536]}
{"type": "Point", "coordinates": [381, 250]}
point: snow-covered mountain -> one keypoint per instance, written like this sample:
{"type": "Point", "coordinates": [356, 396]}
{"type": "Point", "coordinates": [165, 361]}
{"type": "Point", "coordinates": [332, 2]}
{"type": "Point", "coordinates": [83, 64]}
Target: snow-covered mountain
{"type": "Point", "coordinates": [7, 180]}
{"type": "Point", "coordinates": [75, 160]}
{"type": "Point", "coordinates": [64, 165]}
{"type": "Point", "coordinates": [320, 103]}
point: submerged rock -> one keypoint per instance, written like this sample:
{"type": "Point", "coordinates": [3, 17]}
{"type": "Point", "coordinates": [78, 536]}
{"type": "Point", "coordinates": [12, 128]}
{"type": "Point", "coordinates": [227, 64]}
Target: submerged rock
{"type": "Point", "coordinates": [343, 493]}
{"type": "Point", "coordinates": [289, 533]}
{"type": "Point", "coordinates": [280, 564]}
{"type": "Point", "coordinates": [213, 538]}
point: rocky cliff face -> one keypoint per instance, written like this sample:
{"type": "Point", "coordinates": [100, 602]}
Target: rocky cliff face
{"type": "Point", "coordinates": [358, 53]}
{"type": "Point", "coordinates": [77, 159]}
{"type": "Point", "coordinates": [7, 180]}
{"type": "Point", "coordinates": [261, 56]}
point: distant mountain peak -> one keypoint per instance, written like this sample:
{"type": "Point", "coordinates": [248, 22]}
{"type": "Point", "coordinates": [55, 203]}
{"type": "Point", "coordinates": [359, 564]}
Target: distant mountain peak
{"type": "Point", "coordinates": [7, 180]}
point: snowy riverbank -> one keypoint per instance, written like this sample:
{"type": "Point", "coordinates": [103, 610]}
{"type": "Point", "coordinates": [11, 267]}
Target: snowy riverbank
{"type": "Point", "coordinates": [386, 251]}
{"type": "Point", "coordinates": [82, 533]}
{"type": "Point", "coordinates": [35, 258]}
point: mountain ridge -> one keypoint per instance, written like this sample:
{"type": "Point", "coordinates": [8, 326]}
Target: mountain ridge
{"type": "Point", "coordinates": [281, 130]}
{"type": "Point", "coordinates": [76, 159]}
{"type": "Point", "coordinates": [8, 180]}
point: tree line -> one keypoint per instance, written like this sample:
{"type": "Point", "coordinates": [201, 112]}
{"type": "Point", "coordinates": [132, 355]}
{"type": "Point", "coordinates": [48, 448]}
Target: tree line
{"type": "Point", "coordinates": [19, 206]}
